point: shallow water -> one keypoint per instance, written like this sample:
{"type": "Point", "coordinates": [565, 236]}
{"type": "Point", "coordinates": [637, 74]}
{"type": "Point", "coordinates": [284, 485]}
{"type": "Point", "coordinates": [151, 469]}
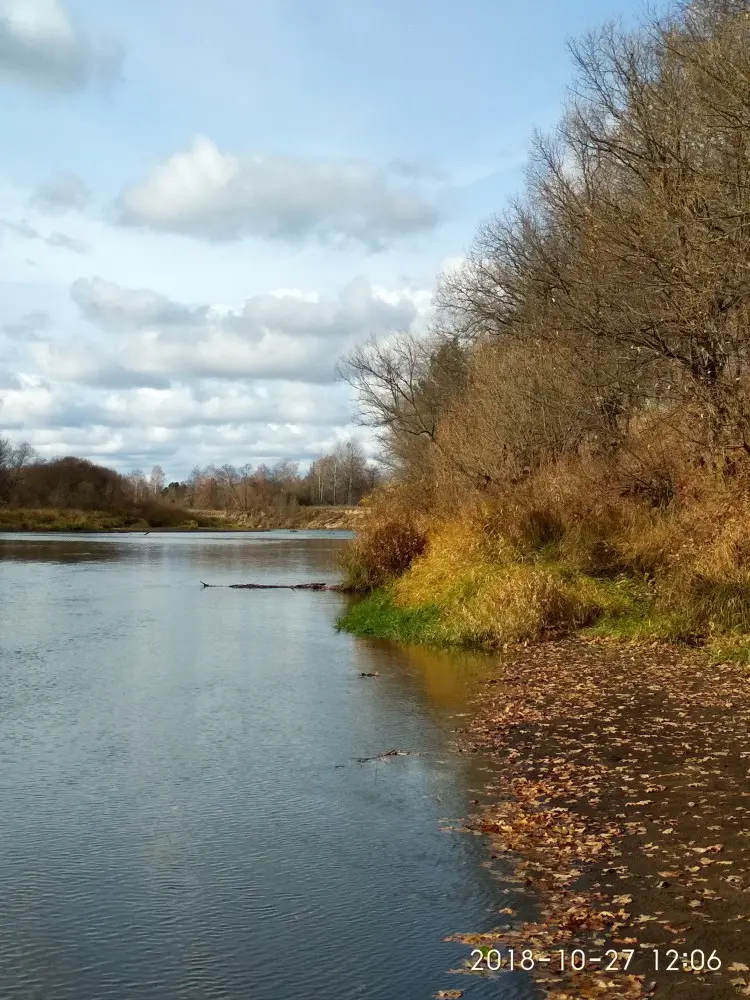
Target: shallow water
{"type": "Point", "coordinates": [181, 811]}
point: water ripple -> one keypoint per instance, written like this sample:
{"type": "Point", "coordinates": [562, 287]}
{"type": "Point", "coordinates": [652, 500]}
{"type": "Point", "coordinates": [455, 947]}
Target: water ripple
{"type": "Point", "coordinates": [173, 824]}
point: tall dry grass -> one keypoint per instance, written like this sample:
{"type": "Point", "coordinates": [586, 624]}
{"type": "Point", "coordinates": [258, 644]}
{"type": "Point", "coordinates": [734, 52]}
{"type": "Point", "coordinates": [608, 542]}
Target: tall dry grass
{"type": "Point", "coordinates": [575, 546]}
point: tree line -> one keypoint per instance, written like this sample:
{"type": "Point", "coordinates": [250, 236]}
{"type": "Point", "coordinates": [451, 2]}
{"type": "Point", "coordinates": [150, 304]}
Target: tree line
{"type": "Point", "coordinates": [601, 321]}
{"type": "Point", "coordinates": [341, 478]}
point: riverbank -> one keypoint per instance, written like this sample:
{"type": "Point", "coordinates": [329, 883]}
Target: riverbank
{"type": "Point", "coordinates": [624, 766]}
{"type": "Point", "coordinates": [47, 519]}
{"type": "Point", "coordinates": [624, 804]}
{"type": "Point", "coordinates": [172, 519]}
{"type": "Point", "coordinates": [301, 518]}
{"type": "Point", "coordinates": [489, 582]}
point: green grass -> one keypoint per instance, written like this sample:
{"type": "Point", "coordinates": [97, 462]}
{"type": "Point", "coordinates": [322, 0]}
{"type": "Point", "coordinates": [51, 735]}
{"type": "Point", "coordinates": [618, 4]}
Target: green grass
{"type": "Point", "coordinates": [376, 616]}
{"type": "Point", "coordinates": [641, 624]}
{"type": "Point", "coordinates": [437, 624]}
{"type": "Point", "coordinates": [633, 614]}
{"type": "Point", "coordinates": [632, 617]}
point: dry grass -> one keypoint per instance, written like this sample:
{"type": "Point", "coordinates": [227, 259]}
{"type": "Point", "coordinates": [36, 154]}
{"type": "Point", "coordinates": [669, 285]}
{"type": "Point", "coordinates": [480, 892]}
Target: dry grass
{"type": "Point", "coordinates": [566, 553]}
{"type": "Point", "coordinates": [144, 516]}
{"type": "Point", "coordinates": [51, 519]}
{"type": "Point", "coordinates": [471, 586]}
{"type": "Point", "coordinates": [488, 596]}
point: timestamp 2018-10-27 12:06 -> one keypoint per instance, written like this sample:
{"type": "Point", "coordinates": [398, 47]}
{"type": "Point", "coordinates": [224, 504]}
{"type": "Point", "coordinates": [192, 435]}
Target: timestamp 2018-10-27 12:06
{"type": "Point", "coordinates": [576, 960]}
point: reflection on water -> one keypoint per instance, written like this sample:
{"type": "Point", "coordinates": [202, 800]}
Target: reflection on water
{"type": "Point", "coordinates": [227, 551]}
{"type": "Point", "coordinates": [448, 678]}
{"type": "Point", "coordinates": [182, 813]}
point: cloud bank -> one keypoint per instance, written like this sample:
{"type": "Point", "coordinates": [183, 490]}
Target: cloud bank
{"type": "Point", "coordinates": [208, 194]}
{"type": "Point", "coordinates": [284, 335]}
{"type": "Point", "coordinates": [135, 377]}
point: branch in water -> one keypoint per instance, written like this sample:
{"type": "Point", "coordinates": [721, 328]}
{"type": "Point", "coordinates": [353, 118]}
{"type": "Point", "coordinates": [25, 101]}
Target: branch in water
{"type": "Point", "coordinates": [387, 754]}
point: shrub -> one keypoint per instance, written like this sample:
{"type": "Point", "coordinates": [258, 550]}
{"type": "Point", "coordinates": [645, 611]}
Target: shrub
{"type": "Point", "coordinates": [389, 539]}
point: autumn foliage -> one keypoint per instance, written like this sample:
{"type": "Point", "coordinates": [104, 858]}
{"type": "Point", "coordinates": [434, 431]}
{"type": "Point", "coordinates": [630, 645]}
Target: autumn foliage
{"type": "Point", "coordinates": [387, 542]}
{"type": "Point", "coordinates": [575, 427]}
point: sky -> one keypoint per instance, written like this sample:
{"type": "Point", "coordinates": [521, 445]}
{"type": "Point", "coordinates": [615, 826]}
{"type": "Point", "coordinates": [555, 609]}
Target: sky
{"type": "Point", "coordinates": [203, 206]}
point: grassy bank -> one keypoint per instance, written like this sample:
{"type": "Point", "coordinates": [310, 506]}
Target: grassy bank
{"type": "Point", "coordinates": [53, 519]}
{"type": "Point", "coordinates": [493, 607]}
{"type": "Point", "coordinates": [169, 518]}
{"type": "Point", "coordinates": [495, 578]}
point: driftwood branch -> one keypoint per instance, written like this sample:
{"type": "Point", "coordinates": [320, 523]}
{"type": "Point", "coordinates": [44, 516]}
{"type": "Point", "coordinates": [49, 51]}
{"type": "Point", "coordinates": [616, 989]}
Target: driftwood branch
{"type": "Point", "coordinates": [387, 754]}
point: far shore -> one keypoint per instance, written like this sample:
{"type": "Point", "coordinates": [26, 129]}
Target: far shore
{"type": "Point", "coordinates": [47, 519]}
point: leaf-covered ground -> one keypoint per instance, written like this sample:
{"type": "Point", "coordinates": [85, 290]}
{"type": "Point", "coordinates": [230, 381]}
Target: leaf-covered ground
{"type": "Point", "coordinates": [625, 802]}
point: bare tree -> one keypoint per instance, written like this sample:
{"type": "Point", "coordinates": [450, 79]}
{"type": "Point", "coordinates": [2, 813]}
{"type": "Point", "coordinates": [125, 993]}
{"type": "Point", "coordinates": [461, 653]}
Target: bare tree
{"type": "Point", "coordinates": [156, 481]}
{"type": "Point", "coordinates": [13, 460]}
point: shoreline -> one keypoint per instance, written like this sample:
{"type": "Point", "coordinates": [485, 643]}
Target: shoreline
{"type": "Point", "coordinates": [157, 531]}
{"type": "Point", "coordinates": [622, 806]}
{"type": "Point", "coordinates": [52, 520]}
{"type": "Point", "coordinates": [623, 801]}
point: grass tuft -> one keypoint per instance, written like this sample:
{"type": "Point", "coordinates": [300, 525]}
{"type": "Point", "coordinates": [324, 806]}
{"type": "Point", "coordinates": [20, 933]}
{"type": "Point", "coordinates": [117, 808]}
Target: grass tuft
{"type": "Point", "coordinates": [378, 616]}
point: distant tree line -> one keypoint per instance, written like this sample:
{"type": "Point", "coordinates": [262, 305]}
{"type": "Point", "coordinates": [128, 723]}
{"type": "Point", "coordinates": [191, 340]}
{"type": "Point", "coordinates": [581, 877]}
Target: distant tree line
{"type": "Point", "coordinates": [342, 477]}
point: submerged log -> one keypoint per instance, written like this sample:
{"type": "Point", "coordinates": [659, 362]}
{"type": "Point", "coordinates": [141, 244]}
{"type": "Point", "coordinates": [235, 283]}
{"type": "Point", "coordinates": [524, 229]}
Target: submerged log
{"type": "Point", "coordinates": [388, 754]}
{"type": "Point", "coordinates": [338, 588]}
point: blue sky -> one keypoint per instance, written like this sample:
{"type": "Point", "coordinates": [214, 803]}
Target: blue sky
{"type": "Point", "coordinates": [202, 205]}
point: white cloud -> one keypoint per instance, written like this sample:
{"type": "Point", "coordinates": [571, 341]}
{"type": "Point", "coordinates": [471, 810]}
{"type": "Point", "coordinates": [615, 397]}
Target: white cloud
{"type": "Point", "coordinates": [452, 265]}
{"type": "Point", "coordinates": [213, 195]}
{"type": "Point", "coordinates": [185, 270]}
{"type": "Point", "coordinates": [285, 335]}
{"type": "Point", "coordinates": [66, 242]}
{"type": "Point", "coordinates": [223, 404]}
{"type": "Point", "coordinates": [176, 448]}
{"type": "Point", "coordinates": [224, 363]}
{"type": "Point", "coordinates": [30, 401]}
{"type": "Point", "coordinates": [153, 380]}
{"type": "Point", "coordinates": [40, 44]}
{"type": "Point", "coordinates": [113, 307]}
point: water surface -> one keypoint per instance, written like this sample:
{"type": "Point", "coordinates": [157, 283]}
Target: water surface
{"type": "Point", "coordinates": [181, 812]}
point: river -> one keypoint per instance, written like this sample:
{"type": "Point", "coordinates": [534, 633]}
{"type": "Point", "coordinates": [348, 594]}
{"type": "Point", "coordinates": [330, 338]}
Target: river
{"type": "Point", "coordinates": [181, 810]}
